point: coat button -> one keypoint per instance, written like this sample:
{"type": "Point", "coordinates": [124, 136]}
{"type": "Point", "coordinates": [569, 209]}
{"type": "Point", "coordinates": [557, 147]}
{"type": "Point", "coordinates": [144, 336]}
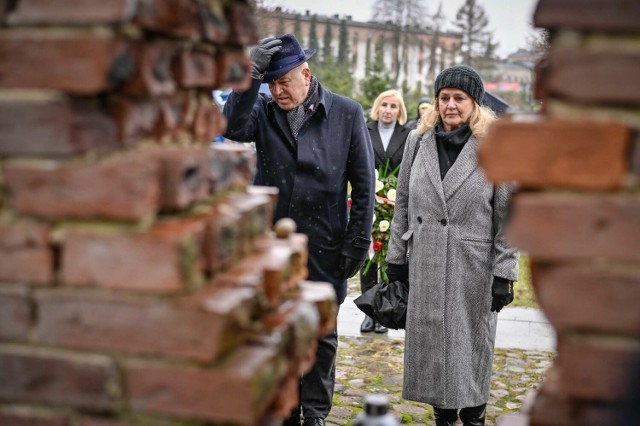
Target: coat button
{"type": "Point", "coordinates": [419, 219]}
{"type": "Point", "coordinates": [443, 222]}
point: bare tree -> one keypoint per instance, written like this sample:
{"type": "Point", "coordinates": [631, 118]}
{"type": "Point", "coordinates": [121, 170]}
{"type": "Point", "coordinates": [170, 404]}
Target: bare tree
{"type": "Point", "coordinates": [401, 16]}
{"type": "Point", "coordinates": [472, 22]}
{"type": "Point", "coordinates": [438, 22]}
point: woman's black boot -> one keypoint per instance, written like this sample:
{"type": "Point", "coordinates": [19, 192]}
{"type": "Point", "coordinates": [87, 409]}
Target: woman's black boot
{"type": "Point", "coordinates": [445, 416]}
{"type": "Point", "coordinates": [473, 416]}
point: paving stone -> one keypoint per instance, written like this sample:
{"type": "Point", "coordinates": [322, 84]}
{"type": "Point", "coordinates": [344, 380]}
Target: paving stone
{"type": "Point", "coordinates": [374, 364]}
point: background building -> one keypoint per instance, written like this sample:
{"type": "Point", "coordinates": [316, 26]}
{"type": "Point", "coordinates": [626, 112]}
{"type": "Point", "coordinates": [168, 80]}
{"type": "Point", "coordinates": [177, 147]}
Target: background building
{"type": "Point", "coordinates": [427, 52]}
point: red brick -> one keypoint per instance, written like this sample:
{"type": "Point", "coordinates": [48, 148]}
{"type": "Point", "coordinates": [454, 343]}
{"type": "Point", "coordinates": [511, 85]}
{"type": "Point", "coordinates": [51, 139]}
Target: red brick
{"type": "Point", "coordinates": [174, 17]}
{"type": "Point", "coordinates": [634, 163]}
{"type": "Point", "coordinates": [36, 375]}
{"type": "Point", "coordinates": [298, 243]}
{"type": "Point", "coordinates": [221, 238]}
{"type": "Point", "coordinates": [233, 71]}
{"type": "Point", "coordinates": [200, 328]}
{"type": "Point", "coordinates": [20, 234]}
{"type": "Point", "coordinates": [237, 391]}
{"type": "Point", "coordinates": [249, 272]}
{"type": "Point", "coordinates": [136, 120]}
{"type": "Point", "coordinates": [242, 24]}
{"type": "Point", "coordinates": [184, 177]}
{"type": "Point", "coordinates": [122, 188]}
{"type": "Point", "coordinates": [232, 166]}
{"type": "Point", "coordinates": [288, 395]}
{"type": "Point", "coordinates": [271, 192]}
{"type": "Point", "coordinates": [82, 12]}
{"type": "Point", "coordinates": [302, 320]}
{"type": "Point", "coordinates": [25, 253]}
{"type": "Point", "coordinates": [553, 153]}
{"type": "Point", "coordinates": [550, 410]}
{"type": "Point", "coordinates": [594, 15]}
{"type": "Point", "coordinates": [323, 297]}
{"type": "Point", "coordinates": [157, 118]}
{"type": "Point", "coordinates": [604, 296]}
{"type": "Point", "coordinates": [593, 77]}
{"type": "Point", "coordinates": [254, 215]}
{"type": "Point", "coordinates": [195, 69]}
{"type": "Point", "coordinates": [152, 75]}
{"type": "Point", "coordinates": [97, 421]}
{"type": "Point", "coordinates": [541, 71]}
{"type": "Point", "coordinates": [595, 368]}
{"type": "Point", "coordinates": [556, 226]}
{"type": "Point", "coordinates": [15, 313]}
{"type": "Point", "coordinates": [85, 64]}
{"type": "Point", "coordinates": [214, 26]}
{"type": "Point", "coordinates": [57, 128]}
{"type": "Point", "coordinates": [32, 418]}
{"type": "Point", "coordinates": [175, 118]}
{"type": "Point", "coordinates": [164, 259]}
{"type": "Point", "coordinates": [512, 420]}
{"type": "Point", "coordinates": [208, 122]}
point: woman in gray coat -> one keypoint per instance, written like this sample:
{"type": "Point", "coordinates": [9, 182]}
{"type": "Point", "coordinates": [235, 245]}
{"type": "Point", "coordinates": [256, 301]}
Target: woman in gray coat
{"type": "Point", "coordinates": [447, 239]}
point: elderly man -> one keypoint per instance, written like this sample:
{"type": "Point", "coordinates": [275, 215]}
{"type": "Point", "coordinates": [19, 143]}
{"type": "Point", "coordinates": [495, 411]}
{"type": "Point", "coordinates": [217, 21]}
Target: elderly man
{"type": "Point", "coordinates": [310, 143]}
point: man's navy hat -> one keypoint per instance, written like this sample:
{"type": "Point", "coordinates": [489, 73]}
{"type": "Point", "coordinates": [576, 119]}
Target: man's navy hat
{"type": "Point", "coordinates": [289, 57]}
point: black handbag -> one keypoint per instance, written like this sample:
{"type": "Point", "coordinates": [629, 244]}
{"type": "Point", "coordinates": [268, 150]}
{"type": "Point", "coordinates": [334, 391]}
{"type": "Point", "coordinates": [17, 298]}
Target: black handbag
{"type": "Point", "coordinates": [386, 303]}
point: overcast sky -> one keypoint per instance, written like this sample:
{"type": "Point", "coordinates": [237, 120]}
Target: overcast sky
{"type": "Point", "coordinates": [510, 20]}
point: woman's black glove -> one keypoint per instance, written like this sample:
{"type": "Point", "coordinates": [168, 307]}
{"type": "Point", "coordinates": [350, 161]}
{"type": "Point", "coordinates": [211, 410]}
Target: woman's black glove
{"type": "Point", "coordinates": [261, 55]}
{"type": "Point", "coordinates": [502, 292]}
{"type": "Point", "coordinates": [349, 266]}
{"type": "Point", "coordinates": [398, 272]}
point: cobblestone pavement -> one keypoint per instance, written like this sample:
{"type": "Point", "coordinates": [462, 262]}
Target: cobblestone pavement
{"type": "Point", "coordinates": [373, 364]}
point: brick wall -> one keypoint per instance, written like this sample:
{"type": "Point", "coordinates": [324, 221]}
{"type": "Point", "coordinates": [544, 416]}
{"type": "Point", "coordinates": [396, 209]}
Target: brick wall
{"type": "Point", "coordinates": [140, 281]}
{"type": "Point", "coordinates": [578, 212]}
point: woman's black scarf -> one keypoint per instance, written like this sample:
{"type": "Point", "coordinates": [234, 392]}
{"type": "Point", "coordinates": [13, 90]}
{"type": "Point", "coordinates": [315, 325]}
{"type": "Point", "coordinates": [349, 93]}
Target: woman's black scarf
{"type": "Point", "coordinates": [449, 145]}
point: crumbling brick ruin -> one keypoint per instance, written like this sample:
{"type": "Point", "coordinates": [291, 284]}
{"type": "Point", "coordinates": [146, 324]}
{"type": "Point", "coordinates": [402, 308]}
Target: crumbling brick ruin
{"type": "Point", "coordinates": [140, 281]}
{"type": "Point", "coordinates": [578, 212]}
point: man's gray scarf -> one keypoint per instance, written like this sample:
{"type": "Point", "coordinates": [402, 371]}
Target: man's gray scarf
{"type": "Point", "coordinates": [297, 116]}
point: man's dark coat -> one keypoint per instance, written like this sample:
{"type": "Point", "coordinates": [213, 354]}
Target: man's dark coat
{"type": "Point", "coordinates": [333, 148]}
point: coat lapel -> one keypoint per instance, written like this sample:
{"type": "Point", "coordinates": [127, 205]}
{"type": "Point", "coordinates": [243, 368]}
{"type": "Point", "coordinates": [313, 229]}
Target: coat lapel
{"type": "Point", "coordinates": [464, 165]}
{"type": "Point", "coordinates": [280, 118]}
{"type": "Point", "coordinates": [376, 141]}
{"type": "Point", "coordinates": [397, 140]}
{"type": "Point", "coordinates": [429, 152]}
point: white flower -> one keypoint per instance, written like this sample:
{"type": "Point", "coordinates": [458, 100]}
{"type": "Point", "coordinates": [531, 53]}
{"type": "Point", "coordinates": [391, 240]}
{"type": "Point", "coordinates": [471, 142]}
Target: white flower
{"type": "Point", "coordinates": [391, 194]}
{"type": "Point", "coordinates": [374, 218]}
{"type": "Point", "coordinates": [376, 174]}
{"type": "Point", "coordinates": [379, 185]}
{"type": "Point", "coordinates": [384, 225]}
{"type": "Point", "coordinates": [349, 188]}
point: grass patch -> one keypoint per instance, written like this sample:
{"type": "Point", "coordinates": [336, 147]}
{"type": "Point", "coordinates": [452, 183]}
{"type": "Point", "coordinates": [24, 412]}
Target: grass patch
{"type": "Point", "coordinates": [524, 294]}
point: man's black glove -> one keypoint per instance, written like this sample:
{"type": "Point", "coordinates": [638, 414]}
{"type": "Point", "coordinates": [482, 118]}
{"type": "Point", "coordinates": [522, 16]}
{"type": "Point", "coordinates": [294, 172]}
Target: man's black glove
{"type": "Point", "coordinates": [398, 272]}
{"type": "Point", "coordinates": [502, 292]}
{"type": "Point", "coordinates": [261, 55]}
{"type": "Point", "coordinates": [349, 266]}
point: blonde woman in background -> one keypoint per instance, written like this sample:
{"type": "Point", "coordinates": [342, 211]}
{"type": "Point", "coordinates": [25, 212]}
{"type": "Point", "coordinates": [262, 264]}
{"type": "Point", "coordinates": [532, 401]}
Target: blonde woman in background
{"type": "Point", "coordinates": [388, 135]}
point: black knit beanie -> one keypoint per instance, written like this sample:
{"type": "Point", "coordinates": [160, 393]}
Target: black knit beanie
{"type": "Point", "coordinates": [461, 77]}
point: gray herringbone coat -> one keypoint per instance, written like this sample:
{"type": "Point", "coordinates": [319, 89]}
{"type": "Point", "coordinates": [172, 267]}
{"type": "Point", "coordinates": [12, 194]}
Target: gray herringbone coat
{"type": "Point", "coordinates": [452, 230]}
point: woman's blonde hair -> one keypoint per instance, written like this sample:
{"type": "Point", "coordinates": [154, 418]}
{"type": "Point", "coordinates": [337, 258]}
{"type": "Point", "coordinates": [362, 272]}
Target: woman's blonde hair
{"type": "Point", "coordinates": [402, 117]}
{"type": "Point", "coordinates": [479, 121]}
